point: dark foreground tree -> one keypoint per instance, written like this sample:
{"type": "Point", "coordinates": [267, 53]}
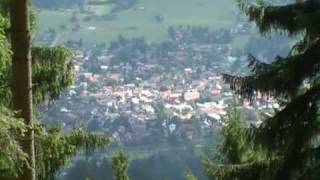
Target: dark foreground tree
{"type": "Point", "coordinates": [288, 142]}
{"type": "Point", "coordinates": [21, 79]}
{"type": "Point", "coordinates": [26, 81]}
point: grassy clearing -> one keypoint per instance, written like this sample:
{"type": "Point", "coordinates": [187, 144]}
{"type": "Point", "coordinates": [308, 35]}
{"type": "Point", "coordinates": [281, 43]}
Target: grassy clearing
{"type": "Point", "coordinates": [140, 20]}
{"type": "Point", "coordinates": [52, 19]}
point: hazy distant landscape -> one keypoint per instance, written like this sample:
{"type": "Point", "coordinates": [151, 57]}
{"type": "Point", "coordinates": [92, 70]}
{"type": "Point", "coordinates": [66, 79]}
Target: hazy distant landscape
{"type": "Point", "coordinates": [129, 55]}
{"type": "Point", "coordinates": [137, 21]}
{"type": "Point", "coordinates": [150, 19]}
{"type": "Point", "coordinates": [159, 89]}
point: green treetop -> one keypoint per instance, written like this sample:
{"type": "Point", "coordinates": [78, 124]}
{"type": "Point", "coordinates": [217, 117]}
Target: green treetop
{"type": "Point", "coordinates": [52, 72]}
{"type": "Point", "coordinates": [120, 166]}
{"type": "Point", "coordinates": [289, 139]}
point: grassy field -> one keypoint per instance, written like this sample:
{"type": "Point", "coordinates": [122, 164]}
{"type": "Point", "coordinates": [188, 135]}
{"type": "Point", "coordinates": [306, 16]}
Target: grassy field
{"type": "Point", "coordinates": [140, 20]}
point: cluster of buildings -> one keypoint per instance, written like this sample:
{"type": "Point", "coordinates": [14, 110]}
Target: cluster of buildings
{"type": "Point", "coordinates": [132, 104]}
{"type": "Point", "coordinates": [128, 111]}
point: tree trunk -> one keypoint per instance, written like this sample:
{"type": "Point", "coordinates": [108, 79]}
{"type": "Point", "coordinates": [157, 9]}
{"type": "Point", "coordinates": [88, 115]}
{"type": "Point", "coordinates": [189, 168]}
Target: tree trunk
{"type": "Point", "coordinates": [21, 79]}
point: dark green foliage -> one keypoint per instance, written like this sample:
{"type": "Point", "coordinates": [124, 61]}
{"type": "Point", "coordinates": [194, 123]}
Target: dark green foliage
{"type": "Point", "coordinates": [53, 149]}
{"type": "Point", "coordinates": [287, 144]}
{"type": "Point", "coordinates": [4, 50]}
{"type": "Point", "coordinates": [234, 150]}
{"type": "Point", "coordinates": [52, 66]}
{"type": "Point", "coordinates": [11, 155]}
{"type": "Point", "coordinates": [233, 146]}
{"type": "Point", "coordinates": [283, 77]}
{"type": "Point", "coordinates": [52, 71]}
{"type": "Point", "coordinates": [5, 55]}
{"type": "Point", "coordinates": [120, 166]}
{"type": "Point", "coordinates": [294, 18]}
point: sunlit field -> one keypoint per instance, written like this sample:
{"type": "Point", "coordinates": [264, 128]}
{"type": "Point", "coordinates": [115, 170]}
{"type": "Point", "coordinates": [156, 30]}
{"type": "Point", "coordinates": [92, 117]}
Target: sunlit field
{"type": "Point", "coordinates": [139, 20]}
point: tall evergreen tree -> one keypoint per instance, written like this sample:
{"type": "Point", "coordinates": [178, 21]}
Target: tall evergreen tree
{"type": "Point", "coordinates": [289, 140]}
{"type": "Point", "coordinates": [21, 78]}
{"type": "Point", "coordinates": [51, 71]}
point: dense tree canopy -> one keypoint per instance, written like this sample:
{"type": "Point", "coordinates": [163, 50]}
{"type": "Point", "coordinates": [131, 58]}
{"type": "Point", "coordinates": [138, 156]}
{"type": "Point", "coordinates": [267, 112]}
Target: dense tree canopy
{"type": "Point", "coordinates": [289, 138]}
{"type": "Point", "coordinates": [11, 154]}
{"type": "Point", "coordinates": [52, 73]}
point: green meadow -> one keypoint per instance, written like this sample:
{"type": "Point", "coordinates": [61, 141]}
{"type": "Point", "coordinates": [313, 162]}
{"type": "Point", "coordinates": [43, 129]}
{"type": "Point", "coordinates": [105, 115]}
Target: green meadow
{"type": "Point", "coordinates": [140, 20]}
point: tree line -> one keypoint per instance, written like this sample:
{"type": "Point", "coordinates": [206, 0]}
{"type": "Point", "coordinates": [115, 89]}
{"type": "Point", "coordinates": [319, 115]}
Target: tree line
{"type": "Point", "coordinates": [29, 76]}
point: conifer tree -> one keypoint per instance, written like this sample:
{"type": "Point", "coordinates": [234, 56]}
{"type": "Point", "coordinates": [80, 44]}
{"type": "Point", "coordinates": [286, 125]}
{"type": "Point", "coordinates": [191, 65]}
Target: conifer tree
{"type": "Point", "coordinates": [120, 165]}
{"type": "Point", "coordinates": [289, 140]}
{"type": "Point", "coordinates": [22, 79]}
{"type": "Point", "coordinates": [51, 71]}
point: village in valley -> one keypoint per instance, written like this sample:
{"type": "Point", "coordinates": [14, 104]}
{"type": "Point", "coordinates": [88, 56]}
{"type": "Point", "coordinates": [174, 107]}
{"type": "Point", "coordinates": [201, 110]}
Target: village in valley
{"type": "Point", "coordinates": [151, 76]}
{"type": "Point", "coordinates": [139, 92]}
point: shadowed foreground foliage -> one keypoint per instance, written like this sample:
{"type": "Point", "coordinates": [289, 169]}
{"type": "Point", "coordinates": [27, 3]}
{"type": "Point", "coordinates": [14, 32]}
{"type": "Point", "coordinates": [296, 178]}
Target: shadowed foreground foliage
{"type": "Point", "coordinates": [52, 73]}
{"type": "Point", "coordinates": [53, 148]}
{"type": "Point", "coordinates": [286, 145]}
